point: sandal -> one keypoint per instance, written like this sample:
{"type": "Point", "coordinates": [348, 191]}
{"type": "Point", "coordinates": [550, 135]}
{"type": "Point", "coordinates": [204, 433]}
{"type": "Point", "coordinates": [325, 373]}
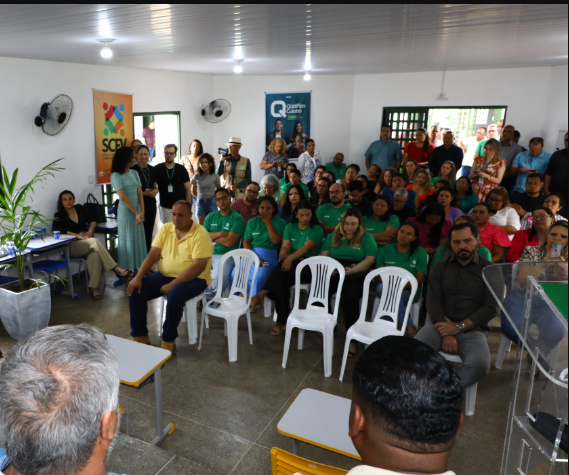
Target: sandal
{"type": "Point", "coordinates": [122, 275]}
{"type": "Point", "coordinates": [276, 330]}
{"type": "Point", "coordinates": [254, 306]}
{"type": "Point", "coordinates": [95, 297]}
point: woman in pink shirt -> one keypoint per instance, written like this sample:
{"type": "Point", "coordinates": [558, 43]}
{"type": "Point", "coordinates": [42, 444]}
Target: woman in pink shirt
{"type": "Point", "coordinates": [492, 237]}
{"type": "Point", "coordinates": [433, 227]}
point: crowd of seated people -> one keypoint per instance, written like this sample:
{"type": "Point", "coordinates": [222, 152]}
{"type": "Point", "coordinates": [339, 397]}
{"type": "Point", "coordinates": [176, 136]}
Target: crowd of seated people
{"type": "Point", "coordinates": [334, 210]}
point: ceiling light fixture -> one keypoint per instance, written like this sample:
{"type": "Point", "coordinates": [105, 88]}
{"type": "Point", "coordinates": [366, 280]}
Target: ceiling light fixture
{"type": "Point", "coordinates": [106, 52]}
{"type": "Point", "coordinates": [238, 68]}
{"type": "Point", "coordinates": [307, 76]}
{"type": "Point", "coordinates": [442, 96]}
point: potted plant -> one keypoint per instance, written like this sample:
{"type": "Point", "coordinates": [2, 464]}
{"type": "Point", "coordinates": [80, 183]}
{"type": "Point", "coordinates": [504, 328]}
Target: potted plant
{"type": "Point", "coordinates": [25, 304]}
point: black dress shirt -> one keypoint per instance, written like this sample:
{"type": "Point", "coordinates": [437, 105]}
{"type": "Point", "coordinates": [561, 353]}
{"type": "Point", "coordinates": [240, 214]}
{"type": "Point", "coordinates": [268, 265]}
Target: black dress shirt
{"type": "Point", "coordinates": [64, 223]}
{"type": "Point", "coordinates": [458, 292]}
{"type": "Point", "coordinates": [442, 154]}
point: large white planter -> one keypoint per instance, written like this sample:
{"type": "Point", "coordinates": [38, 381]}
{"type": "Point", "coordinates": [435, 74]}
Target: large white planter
{"type": "Point", "coordinates": [24, 313]}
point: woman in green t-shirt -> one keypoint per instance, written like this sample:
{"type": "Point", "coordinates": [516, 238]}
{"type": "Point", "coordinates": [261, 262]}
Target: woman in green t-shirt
{"type": "Point", "coordinates": [407, 254]}
{"type": "Point", "coordinates": [263, 235]}
{"type": "Point", "coordinates": [356, 251]}
{"type": "Point", "coordinates": [466, 197]}
{"type": "Point", "coordinates": [302, 239]}
{"type": "Point", "coordinates": [382, 224]}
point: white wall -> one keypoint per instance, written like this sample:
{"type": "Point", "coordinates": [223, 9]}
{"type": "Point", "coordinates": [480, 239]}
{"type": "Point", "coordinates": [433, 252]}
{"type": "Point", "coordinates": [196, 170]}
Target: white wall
{"type": "Point", "coordinates": [26, 84]}
{"type": "Point", "coordinates": [555, 118]}
{"type": "Point", "coordinates": [330, 118]}
{"type": "Point", "coordinates": [347, 110]}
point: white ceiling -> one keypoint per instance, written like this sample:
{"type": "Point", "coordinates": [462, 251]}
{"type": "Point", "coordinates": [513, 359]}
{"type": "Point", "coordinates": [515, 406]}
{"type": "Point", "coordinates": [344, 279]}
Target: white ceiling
{"type": "Point", "coordinates": [344, 39]}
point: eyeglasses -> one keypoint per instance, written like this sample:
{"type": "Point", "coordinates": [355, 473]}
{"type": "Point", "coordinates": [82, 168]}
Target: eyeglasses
{"type": "Point", "coordinates": [255, 192]}
{"type": "Point", "coordinates": [540, 216]}
{"type": "Point", "coordinates": [335, 192]}
{"type": "Point", "coordinates": [223, 198]}
{"type": "Point", "coordinates": [169, 153]}
{"type": "Point", "coordinates": [494, 200]}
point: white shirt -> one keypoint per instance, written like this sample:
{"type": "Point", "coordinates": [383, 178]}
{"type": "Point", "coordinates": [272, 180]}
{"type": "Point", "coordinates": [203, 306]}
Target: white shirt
{"type": "Point", "coordinates": [307, 176]}
{"type": "Point", "coordinates": [506, 217]}
{"type": "Point", "coordinates": [471, 143]}
{"type": "Point", "coordinates": [367, 470]}
{"type": "Point", "coordinates": [438, 143]}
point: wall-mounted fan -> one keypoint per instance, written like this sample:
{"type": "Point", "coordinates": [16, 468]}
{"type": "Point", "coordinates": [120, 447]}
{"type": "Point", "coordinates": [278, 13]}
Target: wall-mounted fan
{"type": "Point", "coordinates": [55, 115]}
{"type": "Point", "coordinates": [216, 110]}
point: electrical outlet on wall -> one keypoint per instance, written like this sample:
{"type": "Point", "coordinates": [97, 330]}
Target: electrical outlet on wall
{"type": "Point", "coordinates": [91, 179]}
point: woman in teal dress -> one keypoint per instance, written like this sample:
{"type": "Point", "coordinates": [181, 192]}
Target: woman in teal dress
{"type": "Point", "coordinates": [130, 215]}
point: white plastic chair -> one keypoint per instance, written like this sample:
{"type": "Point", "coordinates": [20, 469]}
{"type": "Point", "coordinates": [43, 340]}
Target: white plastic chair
{"type": "Point", "coordinates": [505, 347]}
{"type": "Point", "coordinates": [190, 314]}
{"type": "Point", "coordinates": [470, 395]}
{"type": "Point", "coordinates": [268, 302]}
{"type": "Point", "coordinates": [415, 308]}
{"type": "Point", "coordinates": [235, 305]}
{"type": "Point", "coordinates": [316, 316]}
{"type": "Point", "coordinates": [394, 281]}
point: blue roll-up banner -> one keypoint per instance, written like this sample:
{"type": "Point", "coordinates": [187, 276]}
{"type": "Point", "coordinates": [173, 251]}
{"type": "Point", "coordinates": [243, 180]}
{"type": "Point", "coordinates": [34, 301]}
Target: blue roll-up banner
{"type": "Point", "coordinates": [288, 117]}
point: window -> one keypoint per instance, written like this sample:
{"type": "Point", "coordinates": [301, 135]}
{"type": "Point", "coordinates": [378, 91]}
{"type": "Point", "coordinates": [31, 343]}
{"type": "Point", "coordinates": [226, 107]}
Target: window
{"type": "Point", "coordinates": [463, 121]}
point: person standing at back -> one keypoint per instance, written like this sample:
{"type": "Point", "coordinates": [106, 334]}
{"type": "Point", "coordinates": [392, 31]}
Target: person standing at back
{"type": "Point", "coordinates": [204, 184]}
{"type": "Point", "coordinates": [406, 409]}
{"type": "Point", "coordinates": [447, 152]}
{"type": "Point", "coordinates": [149, 137]}
{"type": "Point", "coordinates": [384, 152]}
{"type": "Point", "coordinates": [469, 146]}
{"type": "Point", "coordinates": [147, 177]}
{"type": "Point", "coordinates": [509, 150]}
{"type": "Point", "coordinates": [234, 170]}
{"type": "Point", "coordinates": [191, 160]}
{"type": "Point", "coordinates": [420, 150]}
{"type": "Point", "coordinates": [532, 161]}
{"type": "Point", "coordinates": [556, 176]}
{"type": "Point", "coordinates": [308, 162]}
{"type": "Point", "coordinates": [173, 182]}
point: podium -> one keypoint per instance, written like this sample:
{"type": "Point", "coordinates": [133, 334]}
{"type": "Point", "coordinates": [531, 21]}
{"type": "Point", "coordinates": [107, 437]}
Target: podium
{"type": "Point", "coordinates": [533, 303]}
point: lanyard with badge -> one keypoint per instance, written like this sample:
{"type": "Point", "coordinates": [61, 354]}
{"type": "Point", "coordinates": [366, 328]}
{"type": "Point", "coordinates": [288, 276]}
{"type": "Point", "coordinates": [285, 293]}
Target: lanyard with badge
{"type": "Point", "coordinates": [146, 176]}
{"type": "Point", "coordinates": [170, 187]}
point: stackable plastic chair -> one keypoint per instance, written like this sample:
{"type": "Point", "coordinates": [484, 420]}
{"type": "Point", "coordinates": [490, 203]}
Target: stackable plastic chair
{"type": "Point", "coordinates": [285, 463]}
{"type": "Point", "coordinates": [190, 314]}
{"type": "Point", "coordinates": [470, 393]}
{"type": "Point", "coordinates": [238, 301]}
{"type": "Point", "coordinates": [82, 261]}
{"type": "Point", "coordinates": [268, 302]}
{"type": "Point", "coordinates": [394, 281]}
{"type": "Point", "coordinates": [316, 316]}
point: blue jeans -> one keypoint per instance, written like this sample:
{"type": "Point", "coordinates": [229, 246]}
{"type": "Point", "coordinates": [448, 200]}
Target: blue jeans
{"type": "Point", "coordinates": [227, 270]}
{"type": "Point", "coordinates": [402, 304]}
{"type": "Point", "coordinates": [465, 171]}
{"type": "Point", "coordinates": [151, 150]}
{"type": "Point", "coordinates": [263, 274]}
{"type": "Point", "coordinates": [205, 206]}
{"type": "Point", "coordinates": [177, 298]}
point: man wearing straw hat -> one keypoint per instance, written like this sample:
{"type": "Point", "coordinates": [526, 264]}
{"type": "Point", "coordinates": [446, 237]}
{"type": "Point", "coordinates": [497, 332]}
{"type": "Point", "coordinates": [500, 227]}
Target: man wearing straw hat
{"type": "Point", "coordinates": [235, 170]}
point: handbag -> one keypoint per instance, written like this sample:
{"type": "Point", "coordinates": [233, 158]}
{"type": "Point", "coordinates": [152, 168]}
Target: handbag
{"type": "Point", "coordinates": [95, 210]}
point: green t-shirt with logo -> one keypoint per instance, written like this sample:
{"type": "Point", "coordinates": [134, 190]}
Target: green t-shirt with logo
{"type": "Point", "coordinates": [374, 226]}
{"type": "Point", "coordinates": [233, 222]}
{"type": "Point", "coordinates": [389, 256]}
{"type": "Point", "coordinates": [286, 187]}
{"type": "Point", "coordinates": [344, 251]}
{"type": "Point", "coordinates": [330, 216]}
{"type": "Point", "coordinates": [256, 232]}
{"type": "Point", "coordinates": [298, 238]}
{"type": "Point", "coordinates": [339, 173]}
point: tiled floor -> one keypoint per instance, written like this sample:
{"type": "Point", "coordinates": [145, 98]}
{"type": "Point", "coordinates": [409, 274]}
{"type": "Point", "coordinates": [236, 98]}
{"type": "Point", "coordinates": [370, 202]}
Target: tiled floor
{"type": "Point", "coordinates": [226, 414]}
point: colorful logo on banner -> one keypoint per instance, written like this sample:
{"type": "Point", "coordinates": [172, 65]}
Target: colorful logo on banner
{"type": "Point", "coordinates": [116, 126]}
{"type": "Point", "coordinates": [113, 129]}
{"type": "Point", "coordinates": [288, 117]}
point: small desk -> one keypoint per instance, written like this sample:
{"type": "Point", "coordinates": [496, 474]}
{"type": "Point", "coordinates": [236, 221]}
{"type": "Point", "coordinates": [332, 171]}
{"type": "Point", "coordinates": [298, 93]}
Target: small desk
{"type": "Point", "coordinates": [110, 229]}
{"type": "Point", "coordinates": [46, 244]}
{"type": "Point", "coordinates": [7, 259]}
{"type": "Point", "coordinates": [320, 419]}
{"type": "Point", "coordinates": [138, 363]}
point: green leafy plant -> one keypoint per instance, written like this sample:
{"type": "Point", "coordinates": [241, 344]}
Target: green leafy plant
{"type": "Point", "coordinates": [18, 221]}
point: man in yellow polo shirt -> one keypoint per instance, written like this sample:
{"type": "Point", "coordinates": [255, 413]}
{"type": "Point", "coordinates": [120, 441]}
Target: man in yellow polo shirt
{"type": "Point", "coordinates": [183, 250]}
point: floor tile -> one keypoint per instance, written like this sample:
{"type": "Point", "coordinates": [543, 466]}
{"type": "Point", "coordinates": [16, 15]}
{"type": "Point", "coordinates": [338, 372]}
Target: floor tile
{"type": "Point", "coordinates": [132, 456]}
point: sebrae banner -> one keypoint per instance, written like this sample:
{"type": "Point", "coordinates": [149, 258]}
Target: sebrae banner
{"type": "Point", "coordinates": [113, 129]}
{"type": "Point", "coordinates": [288, 117]}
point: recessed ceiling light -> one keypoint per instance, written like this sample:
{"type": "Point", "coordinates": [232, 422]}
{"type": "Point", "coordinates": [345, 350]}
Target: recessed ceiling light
{"type": "Point", "coordinates": [238, 68]}
{"type": "Point", "coordinates": [307, 76]}
{"type": "Point", "coordinates": [106, 52]}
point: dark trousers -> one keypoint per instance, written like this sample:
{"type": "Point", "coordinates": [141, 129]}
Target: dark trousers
{"type": "Point", "coordinates": [177, 298]}
{"type": "Point", "coordinates": [149, 218]}
{"type": "Point", "coordinates": [279, 285]}
{"type": "Point", "coordinates": [352, 292]}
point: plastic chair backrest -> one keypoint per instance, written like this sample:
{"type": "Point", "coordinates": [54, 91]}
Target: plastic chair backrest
{"type": "Point", "coordinates": [394, 280]}
{"type": "Point", "coordinates": [243, 259]}
{"type": "Point", "coordinates": [285, 463]}
{"type": "Point", "coordinates": [321, 269]}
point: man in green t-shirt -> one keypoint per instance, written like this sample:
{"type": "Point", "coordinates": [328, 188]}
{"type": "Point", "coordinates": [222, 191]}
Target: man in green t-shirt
{"type": "Point", "coordinates": [329, 215]}
{"type": "Point", "coordinates": [225, 228]}
{"type": "Point", "coordinates": [337, 166]}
